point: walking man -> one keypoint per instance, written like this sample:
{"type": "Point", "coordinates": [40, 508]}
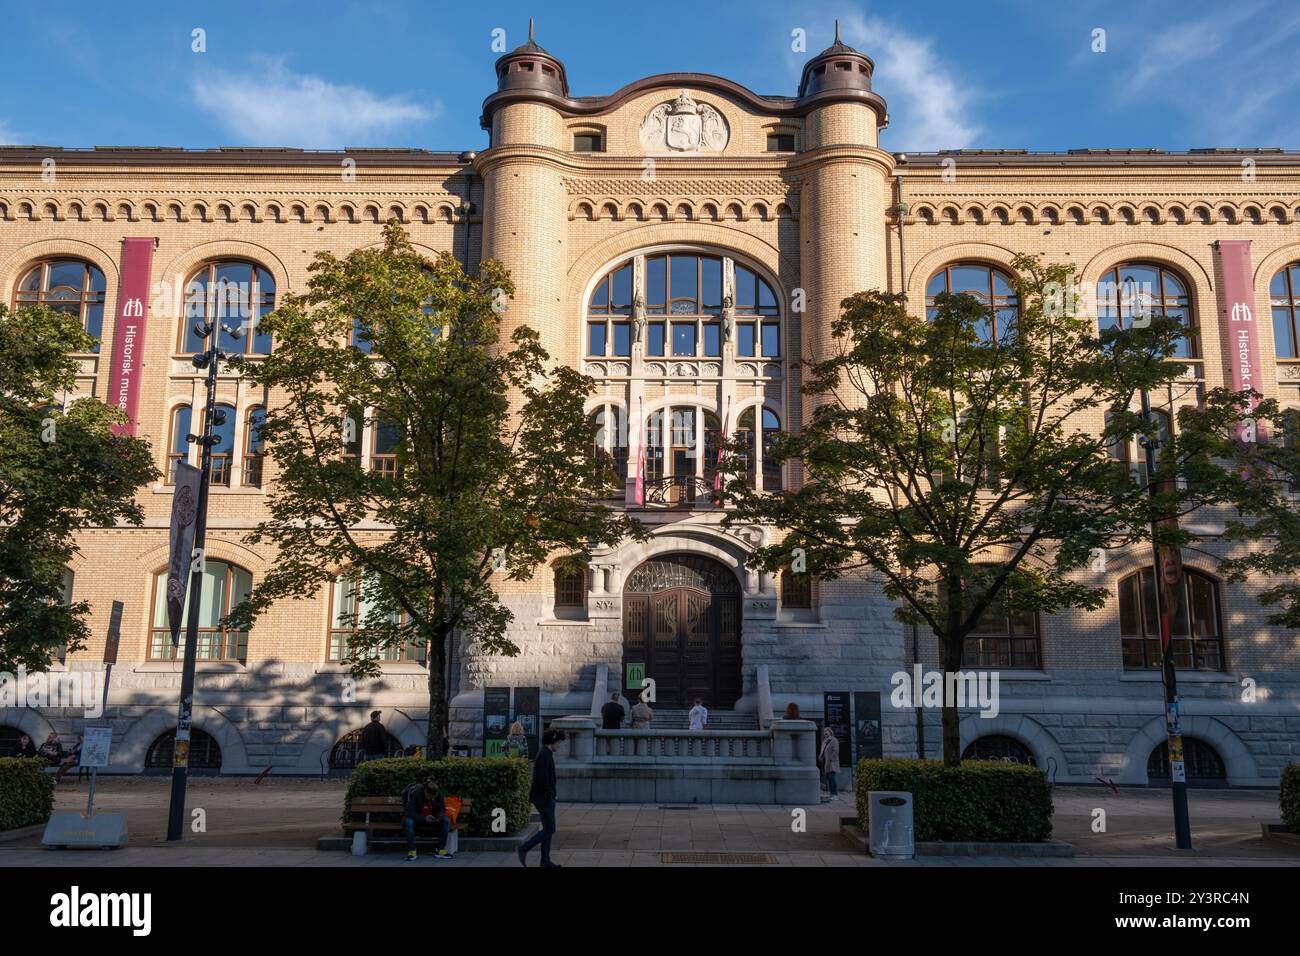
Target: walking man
{"type": "Point", "coordinates": [374, 738]}
{"type": "Point", "coordinates": [543, 797]}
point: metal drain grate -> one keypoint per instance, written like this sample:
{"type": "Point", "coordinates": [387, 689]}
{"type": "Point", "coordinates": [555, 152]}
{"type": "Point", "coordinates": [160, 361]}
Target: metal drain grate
{"type": "Point", "coordinates": [730, 859]}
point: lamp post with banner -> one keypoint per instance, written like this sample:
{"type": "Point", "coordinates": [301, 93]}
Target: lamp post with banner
{"type": "Point", "coordinates": [192, 558]}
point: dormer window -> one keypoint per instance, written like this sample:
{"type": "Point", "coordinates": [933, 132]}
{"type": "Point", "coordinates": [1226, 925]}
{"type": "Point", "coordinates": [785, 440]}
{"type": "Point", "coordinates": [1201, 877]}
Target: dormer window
{"type": "Point", "coordinates": [588, 142]}
{"type": "Point", "coordinates": [780, 142]}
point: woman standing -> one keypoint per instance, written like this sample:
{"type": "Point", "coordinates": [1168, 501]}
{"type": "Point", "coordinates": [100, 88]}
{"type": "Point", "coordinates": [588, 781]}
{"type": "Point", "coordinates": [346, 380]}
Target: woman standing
{"type": "Point", "coordinates": [828, 758]}
{"type": "Point", "coordinates": [517, 743]}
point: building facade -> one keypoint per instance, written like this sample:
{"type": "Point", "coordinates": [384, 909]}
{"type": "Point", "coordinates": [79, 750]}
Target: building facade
{"type": "Point", "coordinates": [685, 242]}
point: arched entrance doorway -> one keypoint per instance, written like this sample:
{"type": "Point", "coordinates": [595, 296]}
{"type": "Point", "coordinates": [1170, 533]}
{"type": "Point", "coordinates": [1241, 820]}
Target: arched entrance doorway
{"type": "Point", "coordinates": [681, 624]}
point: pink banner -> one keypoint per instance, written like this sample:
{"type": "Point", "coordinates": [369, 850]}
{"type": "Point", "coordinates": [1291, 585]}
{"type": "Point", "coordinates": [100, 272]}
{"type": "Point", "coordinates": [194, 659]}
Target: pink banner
{"type": "Point", "coordinates": [128, 334]}
{"type": "Point", "coordinates": [1240, 327]}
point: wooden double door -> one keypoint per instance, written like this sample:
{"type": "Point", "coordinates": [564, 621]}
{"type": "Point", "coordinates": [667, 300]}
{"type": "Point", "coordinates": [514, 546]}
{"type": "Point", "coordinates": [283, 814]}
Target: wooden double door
{"type": "Point", "coordinates": [681, 625]}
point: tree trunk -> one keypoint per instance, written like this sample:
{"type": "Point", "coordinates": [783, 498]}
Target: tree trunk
{"type": "Point", "coordinates": [951, 718]}
{"type": "Point", "coordinates": [436, 739]}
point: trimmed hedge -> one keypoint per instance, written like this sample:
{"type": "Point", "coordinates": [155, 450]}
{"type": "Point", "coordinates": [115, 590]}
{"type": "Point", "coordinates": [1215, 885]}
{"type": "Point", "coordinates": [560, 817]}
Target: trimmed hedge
{"type": "Point", "coordinates": [1288, 797]}
{"type": "Point", "coordinates": [488, 782]}
{"type": "Point", "coordinates": [982, 801]}
{"type": "Point", "coordinates": [26, 792]}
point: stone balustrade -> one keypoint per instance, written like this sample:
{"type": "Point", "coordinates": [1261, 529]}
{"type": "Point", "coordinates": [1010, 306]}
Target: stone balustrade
{"type": "Point", "coordinates": [687, 766]}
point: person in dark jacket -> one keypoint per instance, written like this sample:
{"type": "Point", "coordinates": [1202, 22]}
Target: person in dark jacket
{"type": "Point", "coordinates": [543, 796]}
{"type": "Point", "coordinates": [374, 738]}
{"type": "Point", "coordinates": [423, 802]}
{"type": "Point", "coordinates": [611, 715]}
{"type": "Point", "coordinates": [26, 747]}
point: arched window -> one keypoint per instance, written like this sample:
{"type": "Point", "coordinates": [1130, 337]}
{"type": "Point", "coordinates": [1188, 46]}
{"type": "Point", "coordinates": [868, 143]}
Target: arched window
{"type": "Point", "coordinates": [570, 586]}
{"type": "Point", "coordinates": [1195, 628]}
{"type": "Point", "coordinates": [608, 330]}
{"type": "Point", "coordinates": [608, 425]}
{"type": "Point", "coordinates": [253, 453]}
{"type": "Point", "coordinates": [180, 447]}
{"type": "Point", "coordinates": [1284, 292]}
{"type": "Point", "coordinates": [229, 293]}
{"type": "Point", "coordinates": [999, 747]}
{"type": "Point", "coordinates": [992, 287]}
{"type": "Point", "coordinates": [1132, 454]}
{"type": "Point", "coordinates": [350, 606]}
{"type": "Point", "coordinates": [684, 304]}
{"type": "Point", "coordinates": [757, 458]}
{"type": "Point", "coordinates": [225, 586]}
{"type": "Point", "coordinates": [344, 754]}
{"type": "Point", "coordinates": [361, 336]}
{"type": "Point", "coordinates": [1140, 289]}
{"type": "Point", "coordinates": [66, 285]}
{"type": "Point", "coordinates": [1002, 637]}
{"type": "Point", "coordinates": [204, 753]}
{"type": "Point", "coordinates": [1201, 761]}
{"type": "Point", "coordinates": [223, 450]}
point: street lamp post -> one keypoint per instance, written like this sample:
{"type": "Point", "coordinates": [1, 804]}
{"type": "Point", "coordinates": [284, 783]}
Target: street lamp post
{"type": "Point", "coordinates": [1164, 611]}
{"type": "Point", "coordinates": [207, 359]}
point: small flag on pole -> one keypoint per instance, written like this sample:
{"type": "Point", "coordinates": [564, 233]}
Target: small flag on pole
{"type": "Point", "coordinates": [640, 461]}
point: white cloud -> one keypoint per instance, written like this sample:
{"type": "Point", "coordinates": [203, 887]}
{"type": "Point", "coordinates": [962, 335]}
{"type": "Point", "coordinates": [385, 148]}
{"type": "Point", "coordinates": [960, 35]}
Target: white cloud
{"type": "Point", "coordinates": [269, 105]}
{"type": "Point", "coordinates": [930, 107]}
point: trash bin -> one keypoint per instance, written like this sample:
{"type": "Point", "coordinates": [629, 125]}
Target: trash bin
{"type": "Point", "coordinates": [891, 825]}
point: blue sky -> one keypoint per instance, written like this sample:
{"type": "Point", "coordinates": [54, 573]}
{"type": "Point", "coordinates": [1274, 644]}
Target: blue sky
{"type": "Point", "coordinates": [338, 73]}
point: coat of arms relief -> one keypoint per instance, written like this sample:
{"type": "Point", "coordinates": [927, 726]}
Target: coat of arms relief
{"type": "Point", "coordinates": [684, 126]}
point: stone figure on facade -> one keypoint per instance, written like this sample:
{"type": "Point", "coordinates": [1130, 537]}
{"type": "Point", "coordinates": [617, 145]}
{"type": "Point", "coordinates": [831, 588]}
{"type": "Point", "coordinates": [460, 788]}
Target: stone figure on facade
{"type": "Point", "coordinates": [638, 316]}
{"type": "Point", "coordinates": [728, 317]}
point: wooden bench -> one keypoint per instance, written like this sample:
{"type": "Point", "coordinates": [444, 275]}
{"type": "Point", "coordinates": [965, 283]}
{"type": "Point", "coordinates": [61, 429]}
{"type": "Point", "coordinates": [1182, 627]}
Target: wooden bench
{"type": "Point", "coordinates": [372, 809]}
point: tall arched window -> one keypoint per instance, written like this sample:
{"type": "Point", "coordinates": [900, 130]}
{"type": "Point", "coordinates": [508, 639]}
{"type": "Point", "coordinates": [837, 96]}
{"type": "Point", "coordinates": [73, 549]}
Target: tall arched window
{"type": "Point", "coordinates": [758, 317]}
{"type": "Point", "coordinates": [223, 451]}
{"type": "Point", "coordinates": [608, 327]}
{"type": "Point", "coordinates": [1132, 454]}
{"type": "Point", "coordinates": [180, 448]}
{"type": "Point", "coordinates": [1284, 293]}
{"type": "Point", "coordinates": [229, 293]}
{"type": "Point", "coordinates": [1195, 628]}
{"type": "Point", "coordinates": [349, 608]}
{"type": "Point", "coordinates": [992, 287]}
{"type": "Point", "coordinates": [757, 458]}
{"type": "Point", "coordinates": [1137, 289]}
{"type": "Point", "coordinates": [570, 586]}
{"type": "Point", "coordinates": [1002, 637]}
{"type": "Point", "coordinates": [385, 440]}
{"type": "Point", "coordinates": [225, 585]}
{"type": "Point", "coordinates": [66, 285]}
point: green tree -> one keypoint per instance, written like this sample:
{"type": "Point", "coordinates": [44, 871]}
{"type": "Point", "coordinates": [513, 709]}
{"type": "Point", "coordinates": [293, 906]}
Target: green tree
{"type": "Point", "coordinates": [971, 471]}
{"type": "Point", "coordinates": [62, 470]}
{"type": "Point", "coordinates": [491, 473]}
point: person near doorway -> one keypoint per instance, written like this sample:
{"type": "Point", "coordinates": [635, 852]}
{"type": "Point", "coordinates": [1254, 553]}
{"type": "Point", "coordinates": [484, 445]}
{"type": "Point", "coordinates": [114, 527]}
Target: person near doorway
{"type": "Point", "coordinates": [543, 797]}
{"type": "Point", "coordinates": [26, 747]}
{"type": "Point", "coordinates": [374, 738]}
{"type": "Point", "coordinates": [611, 715]}
{"type": "Point", "coordinates": [641, 715]}
{"type": "Point", "coordinates": [792, 711]}
{"type": "Point", "coordinates": [423, 802]}
{"type": "Point", "coordinates": [828, 758]}
{"type": "Point", "coordinates": [699, 715]}
{"type": "Point", "coordinates": [516, 744]}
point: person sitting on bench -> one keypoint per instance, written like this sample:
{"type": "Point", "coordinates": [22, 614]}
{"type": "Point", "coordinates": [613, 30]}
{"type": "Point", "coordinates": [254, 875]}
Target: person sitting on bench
{"type": "Point", "coordinates": [423, 802]}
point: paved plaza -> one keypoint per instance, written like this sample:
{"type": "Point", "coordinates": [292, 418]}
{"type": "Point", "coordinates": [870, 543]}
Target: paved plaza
{"type": "Point", "coordinates": [277, 823]}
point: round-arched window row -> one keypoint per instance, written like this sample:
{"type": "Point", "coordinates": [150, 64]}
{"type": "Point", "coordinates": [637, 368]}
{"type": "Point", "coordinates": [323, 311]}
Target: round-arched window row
{"type": "Point", "coordinates": [72, 286]}
{"type": "Point", "coordinates": [1127, 291]}
{"type": "Point", "coordinates": [231, 295]}
{"type": "Point", "coordinates": [693, 305]}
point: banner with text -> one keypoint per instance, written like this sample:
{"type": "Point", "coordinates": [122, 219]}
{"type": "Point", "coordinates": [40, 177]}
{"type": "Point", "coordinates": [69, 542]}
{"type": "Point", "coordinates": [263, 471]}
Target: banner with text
{"type": "Point", "coordinates": [1240, 328]}
{"type": "Point", "coordinates": [128, 331]}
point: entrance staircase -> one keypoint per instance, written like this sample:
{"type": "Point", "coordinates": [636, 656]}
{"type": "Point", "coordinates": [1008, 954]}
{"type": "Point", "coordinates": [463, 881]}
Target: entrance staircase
{"type": "Point", "coordinates": [725, 720]}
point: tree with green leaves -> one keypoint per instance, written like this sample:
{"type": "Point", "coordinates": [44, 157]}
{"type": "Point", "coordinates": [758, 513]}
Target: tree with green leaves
{"type": "Point", "coordinates": [486, 472]}
{"type": "Point", "coordinates": [62, 470]}
{"type": "Point", "coordinates": [974, 461]}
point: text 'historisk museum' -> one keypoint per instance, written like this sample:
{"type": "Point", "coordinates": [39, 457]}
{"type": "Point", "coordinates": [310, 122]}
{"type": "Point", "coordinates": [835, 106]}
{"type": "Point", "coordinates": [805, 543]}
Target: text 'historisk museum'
{"type": "Point", "coordinates": [657, 236]}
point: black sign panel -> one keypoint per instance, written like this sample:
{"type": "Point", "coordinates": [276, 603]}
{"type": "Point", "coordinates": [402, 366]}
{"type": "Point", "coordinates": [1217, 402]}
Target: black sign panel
{"type": "Point", "coordinates": [496, 720]}
{"type": "Point", "coordinates": [867, 733]}
{"type": "Point", "coordinates": [528, 711]}
{"type": "Point", "coordinates": [114, 634]}
{"type": "Point", "coordinates": [836, 709]}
